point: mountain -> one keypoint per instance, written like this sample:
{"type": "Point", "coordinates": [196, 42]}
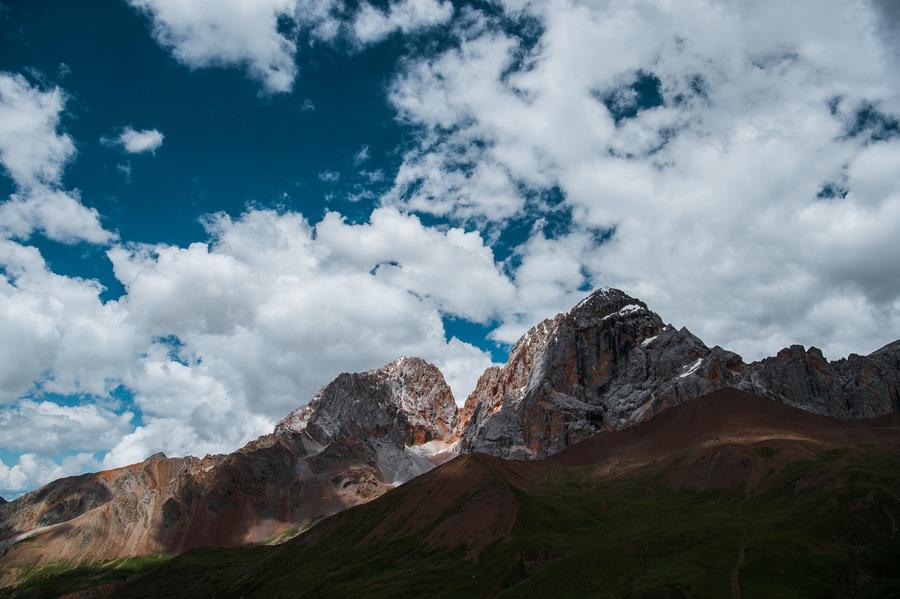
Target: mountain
{"type": "Point", "coordinates": [852, 387]}
{"type": "Point", "coordinates": [361, 435]}
{"type": "Point", "coordinates": [611, 363]}
{"type": "Point", "coordinates": [728, 495]}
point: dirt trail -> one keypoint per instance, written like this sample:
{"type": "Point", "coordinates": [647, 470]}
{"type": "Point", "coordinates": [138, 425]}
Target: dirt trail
{"type": "Point", "coordinates": [735, 573]}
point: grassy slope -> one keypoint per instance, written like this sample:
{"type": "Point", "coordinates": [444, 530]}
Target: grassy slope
{"type": "Point", "coordinates": [637, 537]}
{"type": "Point", "coordinates": [61, 577]}
{"type": "Point", "coordinates": [818, 528]}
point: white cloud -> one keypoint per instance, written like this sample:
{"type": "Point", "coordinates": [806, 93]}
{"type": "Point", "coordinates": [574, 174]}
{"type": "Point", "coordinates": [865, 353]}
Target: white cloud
{"type": "Point", "coordinates": [34, 154]}
{"type": "Point", "coordinates": [60, 215]}
{"type": "Point", "coordinates": [49, 428]}
{"type": "Point", "coordinates": [33, 470]}
{"type": "Point", "coordinates": [202, 33]}
{"type": "Point", "coordinates": [56, 330]}
{"type": "Point", "coordinates": [323, 18]}
{"type": "Point", "coordinates": [264, 314]}
{"type": "Point", "coordinates": [261, 36]}
{"type": "Point", "coordinates": [372, 24]}
{"type": "Point", "coordinates": [359, 294]}
{"type": "Point", "coordinates": [138, 142]}
{"type": "Point", "coordinates": [32, 150]}
{"type": "Point", "coordinates": [711, 196]}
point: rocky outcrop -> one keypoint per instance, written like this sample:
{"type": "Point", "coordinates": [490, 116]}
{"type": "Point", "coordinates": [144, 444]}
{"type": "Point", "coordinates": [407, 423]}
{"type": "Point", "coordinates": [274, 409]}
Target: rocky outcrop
{"type": "Point", "coordinates": [361, 435]}
{"type": "Point", "coordinates": [853, 387]}
{"type": "Point", "coordinates": [406, 401]}
{"type": "Point", "coordinates": [611, 363]}
{"type": "Point", "coordinates": [607, 364]}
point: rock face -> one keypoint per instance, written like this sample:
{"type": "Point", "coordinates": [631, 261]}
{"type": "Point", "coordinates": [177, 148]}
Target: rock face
{"type": "Point", "coordinates": [404, 412]}
{"type": "Point", "coordinates": [611, 363]}
{"type": "Point", "coordinates": [406, 401]}
{"type": "Point", "coordinates": [607, 364]}
{"type": "Point", "coordinates": [852, 387]}
{"type": "Point", "coordinates": [361, 435]}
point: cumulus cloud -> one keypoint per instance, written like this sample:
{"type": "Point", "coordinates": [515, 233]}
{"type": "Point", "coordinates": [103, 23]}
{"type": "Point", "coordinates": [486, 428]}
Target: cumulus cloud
{"type": "Point", "coordinates": [217, 340]}
{"type": "Point", "coordinates": [269, 273]}
{"type": "Point", "coordinates": [32, 150]}
{"type": "Point", "coordinates": [56, 330]}
{"type": "Point", "coordinates": [134, 141]}
{"type": "Point", "coordinates": [49, 428]}
{"type": "Point", "coordinates": [60, 215]}
{"type": "Point", "coordinates": [261, 36]}
{"type": "Point", "coordinates": [372, 24]}
{"type": "Point", "coordinates": [323, 19]}
{"type": "Point", "coordinates": [34, 154]}
{"type": "Point", "coordinates": [736, 162]}
{"type": "Point", "coordinates": [202, 33]}
{"type": "Point", "coordinates": [33, 470]}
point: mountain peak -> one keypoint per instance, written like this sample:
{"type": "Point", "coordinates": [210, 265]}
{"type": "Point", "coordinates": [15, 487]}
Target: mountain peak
{"type": "Point", "coordinates": [610, 363]}
{"type": "Point", "coordinates": [606, 364]}
{"type": "Point", "coordinates": [407, 398]}
{"type": "Point", "coordinates": [606, 301]}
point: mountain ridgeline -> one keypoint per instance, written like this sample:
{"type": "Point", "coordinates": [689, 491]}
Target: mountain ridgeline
{"type": "Point", "coordinates": [608, 365]}
{"type": "Point", "coordinates": [611, 363]}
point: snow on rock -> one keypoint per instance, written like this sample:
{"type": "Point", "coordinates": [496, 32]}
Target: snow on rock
{"type": "Point", "coordinates": [689, 370]}
{"type": "Point", "coordinates": [648, 340]}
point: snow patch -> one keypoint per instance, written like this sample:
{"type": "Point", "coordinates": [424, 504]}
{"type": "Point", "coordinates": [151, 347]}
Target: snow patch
{"type": "Point", "coordinates": [582, 302]}
{"type": "Point", "coordinates": [648, 340]}
{"type": "Point", "coordinates": [691, 369]}
{"type": "Point", "coordinates": [630, 308]}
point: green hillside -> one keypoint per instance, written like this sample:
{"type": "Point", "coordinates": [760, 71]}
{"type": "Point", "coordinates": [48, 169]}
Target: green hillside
{"type": "Point", "coordinates": [819, 527]}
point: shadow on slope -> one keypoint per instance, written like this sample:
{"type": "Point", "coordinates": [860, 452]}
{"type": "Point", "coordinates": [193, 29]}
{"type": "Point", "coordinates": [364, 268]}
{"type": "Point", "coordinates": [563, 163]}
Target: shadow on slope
{"type": "Point", "coordinates": [728, 495]}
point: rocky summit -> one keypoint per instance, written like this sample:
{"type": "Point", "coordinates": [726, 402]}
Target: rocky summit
{"type": "Point", "coordinates": [361, 435]}
{"type": "Point", "coordinates": [611, 362]}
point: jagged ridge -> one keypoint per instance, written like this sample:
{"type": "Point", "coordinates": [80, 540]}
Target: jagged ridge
{"type": "Point", "coordinates": [610, 363]}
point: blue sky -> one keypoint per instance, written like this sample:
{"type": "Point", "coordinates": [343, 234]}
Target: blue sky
{"type": "Point", "coordinates": [227, 142]}
{"type": "Point", "coordinates": [325, 186]}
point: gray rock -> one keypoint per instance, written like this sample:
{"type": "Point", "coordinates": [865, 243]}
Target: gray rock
{"type": "Point", "coordinates": [852, 387]}
{"type": "Point", "coordinates": [610, 363]}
